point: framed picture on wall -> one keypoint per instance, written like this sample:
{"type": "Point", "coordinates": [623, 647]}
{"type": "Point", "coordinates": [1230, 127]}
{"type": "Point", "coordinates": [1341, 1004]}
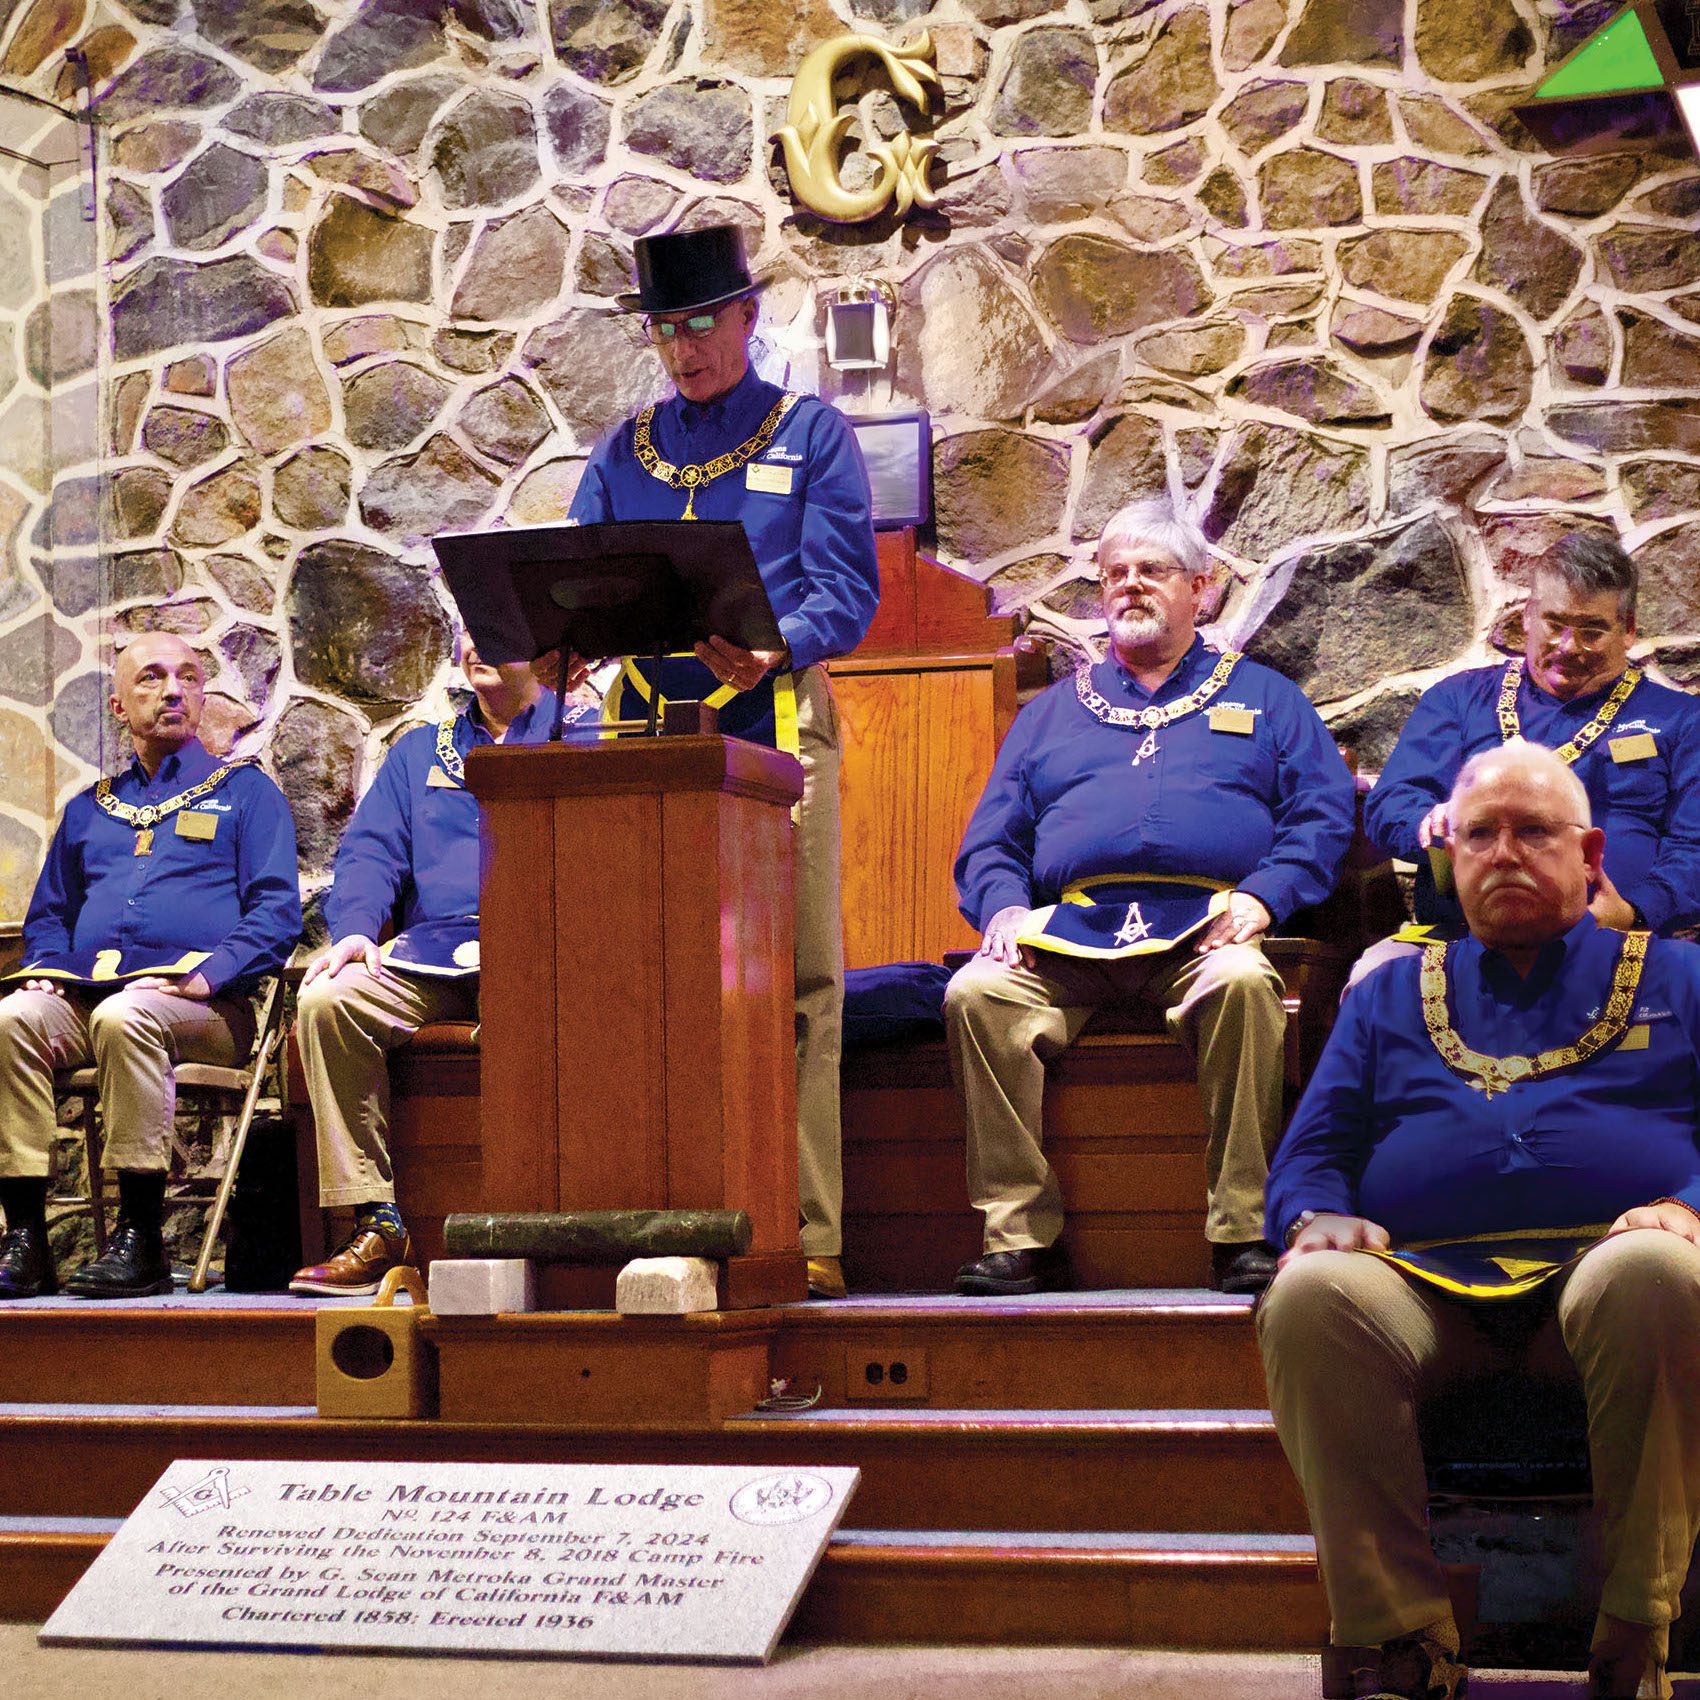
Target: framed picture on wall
{"type": "Point", "coordinates": [898, 449]}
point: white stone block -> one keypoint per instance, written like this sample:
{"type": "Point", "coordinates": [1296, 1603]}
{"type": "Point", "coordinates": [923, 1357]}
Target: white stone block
{"type": "Point", "coordinates": [666, 1286]}
{"type": "Point", "coordinates": [482, 1286]}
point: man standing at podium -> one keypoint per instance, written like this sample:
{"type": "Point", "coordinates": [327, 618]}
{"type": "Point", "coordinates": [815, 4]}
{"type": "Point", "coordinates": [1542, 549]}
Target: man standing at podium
{"type": "Point", "coordinates": [1144, 825]}
{"type": "Point", "coordinates": [727, 445]}
{"type": "Point", "coordinates": [410, 854]}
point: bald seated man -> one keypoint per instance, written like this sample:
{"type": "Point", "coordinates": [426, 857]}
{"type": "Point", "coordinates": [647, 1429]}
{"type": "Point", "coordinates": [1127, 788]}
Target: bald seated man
{"type": "Point", "coordinates": [168, 891]}
{"type": "Point", "coordinates": [1539, 1078]}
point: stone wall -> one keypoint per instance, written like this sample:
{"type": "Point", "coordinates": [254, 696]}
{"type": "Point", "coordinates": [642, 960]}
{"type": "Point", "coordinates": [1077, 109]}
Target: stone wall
{"type": "Point", "coordinates": [1294, 261]}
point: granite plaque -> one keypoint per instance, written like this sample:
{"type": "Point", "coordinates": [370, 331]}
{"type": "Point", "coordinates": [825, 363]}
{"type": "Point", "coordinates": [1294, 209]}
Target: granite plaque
{"type": "Point", "coordinates": [581, 1560]}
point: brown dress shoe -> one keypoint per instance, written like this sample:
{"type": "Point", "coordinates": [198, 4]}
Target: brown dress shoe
{"type": "Point", "coordinates": [826, 1278]}
{"type": "Point", "coordinates": [360, 1263]}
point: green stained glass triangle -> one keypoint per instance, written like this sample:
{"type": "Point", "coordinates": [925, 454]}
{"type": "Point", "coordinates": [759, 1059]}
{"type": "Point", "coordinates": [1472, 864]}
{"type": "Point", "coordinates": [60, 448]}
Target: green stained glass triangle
{"type": "Point", "coordinates": [1614, 60]}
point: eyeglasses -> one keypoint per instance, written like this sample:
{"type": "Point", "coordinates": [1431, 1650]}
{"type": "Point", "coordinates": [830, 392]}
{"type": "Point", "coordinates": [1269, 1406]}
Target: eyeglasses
{"type": "Point", "coordinates": [695, 328]}
{"type": "Point", "coordinates": [1533, 837]}
{"type": "Point", "coordinates": [1589, 634]}
{"type": "Point", "coordinates": [1153, 572]}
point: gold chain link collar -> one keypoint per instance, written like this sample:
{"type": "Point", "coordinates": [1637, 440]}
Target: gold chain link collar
{"type": "Point", "coordinates": [692, 478]}
{"type": "Point", "coordinates": [1499, 1074]}
{"type": "Point", "coordinates": [1150, 718]}
{"type": "Point", "coordinates": [1511, 727]}
{"type": "Point", "coordinates": [144, 815]}
{"type": "Point", "coordinates": [448, 757]}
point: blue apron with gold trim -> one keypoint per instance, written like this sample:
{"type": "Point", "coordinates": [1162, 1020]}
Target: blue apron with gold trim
{"type": "Point", "coordinates": [104, 969]}
{"type": "Point", "coordinates": [443, 949]}
{"type": "Point", "coordinates": [1111, 916]}
{"type": "Point", "coordinates": [1490, 1267]}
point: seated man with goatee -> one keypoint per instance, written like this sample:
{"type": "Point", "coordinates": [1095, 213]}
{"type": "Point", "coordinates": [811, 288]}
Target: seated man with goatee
{"type": "Point", "coordinates": [1496, 1166]}
{"type": "Point", "coordinates": [1145, 824]}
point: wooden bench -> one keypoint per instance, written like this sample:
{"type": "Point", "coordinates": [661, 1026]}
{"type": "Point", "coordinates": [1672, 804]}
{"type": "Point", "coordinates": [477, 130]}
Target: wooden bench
{"type": "Point", "coordinates": [1124, 1129]}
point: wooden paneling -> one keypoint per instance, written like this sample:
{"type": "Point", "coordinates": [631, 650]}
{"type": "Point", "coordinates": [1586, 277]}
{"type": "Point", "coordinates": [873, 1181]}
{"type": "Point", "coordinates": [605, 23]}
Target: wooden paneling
{"type": "Point", "coordinates": [918, 740]}
{"type": "Point", "coordinates": [879, 734]}
{"type": "Point", "coordinates": [922, 705]}
{"type": "Point", "coordinates": [518, 918]}
{"type": "Point", "coordinates": [609, 1102]}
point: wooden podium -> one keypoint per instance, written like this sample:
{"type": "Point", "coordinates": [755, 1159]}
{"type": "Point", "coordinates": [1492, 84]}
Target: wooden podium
{"type": "Point", "coordinates": [637, 1037]}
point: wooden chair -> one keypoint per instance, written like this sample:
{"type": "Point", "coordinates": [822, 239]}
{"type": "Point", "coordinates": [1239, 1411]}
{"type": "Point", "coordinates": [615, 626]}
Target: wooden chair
{"type": "Point", "coordinates": [236, 1091]}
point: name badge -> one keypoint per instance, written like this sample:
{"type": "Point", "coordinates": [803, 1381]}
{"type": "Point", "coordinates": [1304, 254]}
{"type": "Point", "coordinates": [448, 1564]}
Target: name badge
{"type": "Point", "coordinates": [773, 480]}
{"type": "Point", "coordinates": [1240, 720]}
{"type": "Point", "coordinates": [437, 780]}
{"type": "Point", "coordinates": [191, 823]}
{"type": "Point", "coordinates": [1635, 1038]}
{"type": "Point", "coordinates": [1639, 746]}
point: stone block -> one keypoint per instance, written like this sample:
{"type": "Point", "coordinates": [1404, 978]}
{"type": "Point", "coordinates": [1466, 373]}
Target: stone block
{"type": "Point", "coordinates": [665, 1286]}
{"type": "Point", "coordinates": [482, 1286]}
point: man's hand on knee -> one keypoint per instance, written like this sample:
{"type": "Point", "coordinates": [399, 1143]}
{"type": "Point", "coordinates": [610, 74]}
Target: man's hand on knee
{"type": "Point", "coordinates": [355, 947]}
{"type": "Point", "coordinates": [1337, 1233]}
{"type": "Point", "coordinates": [1242, 921]}
{"type": "Point", "coordinates": [999, 942]}
{"type": "Point", "coordinates": [51, 987]}
{"type": "Point", "coordinates": [180, 985]}
{"type": "Point", "coordinates": [1664, 1213]}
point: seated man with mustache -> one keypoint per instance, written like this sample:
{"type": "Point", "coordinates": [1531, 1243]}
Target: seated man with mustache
{"type": "Point", "coordinates": [1144, 825]}
{"type": "Point", "coordinates": [1633, 743]}
{"type": "Point", "coordinates": [1539, 1081]}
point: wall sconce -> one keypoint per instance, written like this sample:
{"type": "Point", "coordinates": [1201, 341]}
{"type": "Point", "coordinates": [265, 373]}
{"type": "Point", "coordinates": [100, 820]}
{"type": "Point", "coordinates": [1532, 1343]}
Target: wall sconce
{"type": "Point", "coordinates": [858, 327]}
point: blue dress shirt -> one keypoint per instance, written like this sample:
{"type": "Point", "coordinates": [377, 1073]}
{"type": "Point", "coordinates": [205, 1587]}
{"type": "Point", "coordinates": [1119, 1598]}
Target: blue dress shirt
{"type": "Point", "coordinates": [813, 541]}
{"type": "Point", "coordinates": [1387, 1131]}
{"type": "Point", "coordinates": [236, 894]}
{"type": "Point", "coordinates": [411, 853]}
{"type": "Point", "coordinates": [1269, 811]}
{"type": "Point", "coordinates": [1649, 806]}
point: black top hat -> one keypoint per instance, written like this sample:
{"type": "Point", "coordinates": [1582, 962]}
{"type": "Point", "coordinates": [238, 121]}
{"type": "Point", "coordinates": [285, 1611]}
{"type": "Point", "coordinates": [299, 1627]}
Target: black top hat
{"type": "Point", "coordinates": [689, 268]}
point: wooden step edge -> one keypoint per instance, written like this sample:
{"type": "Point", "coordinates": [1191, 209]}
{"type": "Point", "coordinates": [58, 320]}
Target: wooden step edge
{"type": "Point", "coordinates": [1020, 1595]}
{"type": "Point", "coordinates": [40, 1566]}
{"type": "Point", "coordinates": [1013, 1315]}
{"type": "Point", "coordinates": [875, 1590]}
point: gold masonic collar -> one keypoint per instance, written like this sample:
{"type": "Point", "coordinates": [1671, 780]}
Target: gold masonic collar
{"type": "Point", "coordinates": [1510, 726]}
{"type": "Point", "coordinates": [144, 817]}
{"type": "Point", "coordinates": [1499, 1074]}
{"type": "Point", "coordinates": [690, 479]}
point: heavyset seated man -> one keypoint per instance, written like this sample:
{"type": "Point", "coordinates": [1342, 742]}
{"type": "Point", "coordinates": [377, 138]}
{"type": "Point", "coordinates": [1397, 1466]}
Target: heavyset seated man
{"type": "Point", "coordinates": [1540, 1075]}
{"type": "Point", "coordinates": [410, 855]}
{"type": "Point", "coordinates": [167, 893]}
{"type": "Point", "coordinates": [1145, 823]}
{"type": "Point", "coordinates": [1633, 743]}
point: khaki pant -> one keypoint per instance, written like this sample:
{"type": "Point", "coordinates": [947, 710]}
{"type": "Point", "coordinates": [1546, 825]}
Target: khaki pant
{"type": "Point", "coordinates": [1351, 1347]}
{"type": "Point", "coordinates": [346, 1025]}
{"type": "Point", "coordinates": [1003, 1023]}
{"type": "Point", "coordinates": [135, 1039]}
{"type": "Point", "coordinates": [819, 958]}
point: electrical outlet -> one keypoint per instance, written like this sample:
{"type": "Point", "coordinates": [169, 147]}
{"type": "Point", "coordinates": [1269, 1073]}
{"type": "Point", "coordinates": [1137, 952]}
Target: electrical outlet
{"type": "Point", "coordinates": [880, 1375]}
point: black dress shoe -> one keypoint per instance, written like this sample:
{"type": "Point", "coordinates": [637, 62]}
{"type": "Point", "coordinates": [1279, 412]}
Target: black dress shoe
{"type": "Point", "coordinates": [1032, 1270]}
{"type": "Point", "coordinates": [1247, 1266]}
{"type": "Point", "coordinates": [134, 1266]}
{"type": "Point", "coordinates": [26, 1263]}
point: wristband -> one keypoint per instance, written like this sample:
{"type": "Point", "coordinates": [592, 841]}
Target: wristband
{"type": "Point", "coordinates": [1678, 1203]}
{"type": "Point", "coordinates": [1298, 1225]}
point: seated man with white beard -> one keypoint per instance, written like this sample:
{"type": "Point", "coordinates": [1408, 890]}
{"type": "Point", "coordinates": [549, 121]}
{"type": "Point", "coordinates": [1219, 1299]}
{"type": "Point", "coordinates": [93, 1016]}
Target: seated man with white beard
{"type": "Point", "coordinates": [1145, 824]}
